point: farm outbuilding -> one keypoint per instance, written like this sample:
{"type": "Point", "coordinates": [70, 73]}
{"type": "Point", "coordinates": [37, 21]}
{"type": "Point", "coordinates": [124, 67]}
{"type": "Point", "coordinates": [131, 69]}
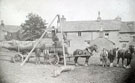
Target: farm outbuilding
{"type": "Point", "coordinates": [9, 32]}
{"type": "Point", "coordinates": [132, 43]}
{"type": "Point", "coordinates": [103, 43]}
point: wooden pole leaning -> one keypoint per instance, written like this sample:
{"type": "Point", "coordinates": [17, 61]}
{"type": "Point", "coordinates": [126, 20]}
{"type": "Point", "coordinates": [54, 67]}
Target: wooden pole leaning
{"type": "Point", "coordinates": [38, 42]}
{"type": "Point", "coordinates": [33, 48]}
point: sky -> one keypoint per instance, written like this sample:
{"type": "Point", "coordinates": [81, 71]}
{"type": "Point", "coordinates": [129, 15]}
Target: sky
{"type": "Point", "coordinates": [14, 12]}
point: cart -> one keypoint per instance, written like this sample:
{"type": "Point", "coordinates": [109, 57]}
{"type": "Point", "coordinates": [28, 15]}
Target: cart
{"type": "Point", "coordinates": [52, 57]}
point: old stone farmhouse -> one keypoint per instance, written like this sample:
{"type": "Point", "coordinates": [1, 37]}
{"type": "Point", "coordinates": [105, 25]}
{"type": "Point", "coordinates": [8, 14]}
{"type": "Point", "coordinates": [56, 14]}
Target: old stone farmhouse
{"type": "Point", "coordinates": [11, 30]}
{"type": "Point", "coordinates": [80, 33]}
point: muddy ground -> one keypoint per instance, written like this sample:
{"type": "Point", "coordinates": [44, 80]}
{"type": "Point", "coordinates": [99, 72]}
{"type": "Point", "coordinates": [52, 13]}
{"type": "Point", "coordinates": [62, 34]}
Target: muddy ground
{"type": "Point", "coordinates": [43, 73]}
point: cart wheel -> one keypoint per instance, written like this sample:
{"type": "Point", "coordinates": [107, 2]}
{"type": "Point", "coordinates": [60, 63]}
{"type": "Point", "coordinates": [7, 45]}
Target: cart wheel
{"type": "Point", "coordinates": [54, 59]}
{"type": "Point", "coordinates": [17, 58]}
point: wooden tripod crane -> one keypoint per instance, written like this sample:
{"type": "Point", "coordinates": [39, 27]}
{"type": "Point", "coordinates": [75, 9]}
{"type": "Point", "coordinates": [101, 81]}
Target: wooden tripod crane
{"type": "Point", "coordinates": [29, 54]}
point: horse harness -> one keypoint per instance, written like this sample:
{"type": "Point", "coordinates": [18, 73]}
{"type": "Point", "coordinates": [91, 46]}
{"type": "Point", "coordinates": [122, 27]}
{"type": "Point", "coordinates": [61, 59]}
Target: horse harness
{"type": "Point", "coordinates": [88, 52]}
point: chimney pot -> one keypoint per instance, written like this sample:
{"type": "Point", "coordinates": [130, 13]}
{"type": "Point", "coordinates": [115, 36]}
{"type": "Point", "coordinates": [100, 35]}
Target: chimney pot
{"type": "Point", "coordinates": [118, 18]}
{"type": "Point", "coordinates": [63, 18]}
{"type": "Point", "coordinates": [98, 18]}
{"type": "Point", "coordinates": [2, 23]}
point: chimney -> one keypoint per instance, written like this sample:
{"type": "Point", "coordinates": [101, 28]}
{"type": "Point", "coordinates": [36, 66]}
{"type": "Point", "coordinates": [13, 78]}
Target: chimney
{"type": "Point", "coordinates": [63, 19]}
{"type": "Point", "coordinates": [98, 18]}
{"type": "Point", "coordinates": [101, 31]}
{"type": "Point", "coordinates": [2, 23]}
{"type": "Point", "coordinates": [118, 18]}
{"type": "Point", "coordinates": [130, 24]}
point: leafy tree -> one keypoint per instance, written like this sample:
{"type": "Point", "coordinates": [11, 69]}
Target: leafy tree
{"type": "Point", "coordinates": [33, 27]}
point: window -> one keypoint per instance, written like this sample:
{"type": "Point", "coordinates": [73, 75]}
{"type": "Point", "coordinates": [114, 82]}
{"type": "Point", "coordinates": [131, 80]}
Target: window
{"type": "Point", "coordinates": [106, 34]}
{"type": "Point", "coordinates": [79, 33]}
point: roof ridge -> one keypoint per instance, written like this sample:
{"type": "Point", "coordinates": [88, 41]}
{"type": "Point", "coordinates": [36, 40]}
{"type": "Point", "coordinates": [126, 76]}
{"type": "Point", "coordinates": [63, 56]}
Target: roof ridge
{"type": "Point", "coordinates": [89, 20]}
{"type": "Point", "coordinates": [10, 25]}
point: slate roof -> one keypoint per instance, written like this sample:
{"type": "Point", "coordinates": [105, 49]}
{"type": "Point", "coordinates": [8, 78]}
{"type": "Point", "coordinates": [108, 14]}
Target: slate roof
{"type": "Point", "coordinates": [90, 25]}
{"type": "Point", "coordinates": [102, 43]}
{"type": "Point", "coordinates": [127, 27]}
{"type": "Point", "coordinates": [107, 25]}
{"type": "Point", "coordinates": [132, 43]}
{"type": "Point", "coordinates": [10, 28]}
{"type": "Point", "coordinates": [124, 39]}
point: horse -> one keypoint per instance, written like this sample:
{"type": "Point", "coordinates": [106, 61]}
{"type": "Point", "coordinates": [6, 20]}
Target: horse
{"type": "Point", "coordinates": [125, 54]}
{"type": "Point", "coordinates": [86, 53]}
{"type": "Point", "coordinates": [112, 55]}
{"type": "Point", "coordinates": [103, 57]}
{"type": "Point", "coordinates": [129, 76]}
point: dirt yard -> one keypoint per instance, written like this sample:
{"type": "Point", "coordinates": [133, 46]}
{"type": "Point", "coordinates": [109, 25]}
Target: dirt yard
{"type": "Point", "coordinates": [43, 73]}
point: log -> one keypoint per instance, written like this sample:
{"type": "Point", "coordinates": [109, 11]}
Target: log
{"type": "Point", "coordinates": [63, 69]}
{"type": "Point", "coordinates": [14, 45]}
{"type": "Point", "coordinates": [21, 45]}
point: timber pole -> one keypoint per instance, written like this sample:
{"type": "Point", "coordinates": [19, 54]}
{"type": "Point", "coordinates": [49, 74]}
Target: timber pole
{"type": "Point", "coordinates": [63, 45]}
{"type": "Point", "coordinates": [38, 42]}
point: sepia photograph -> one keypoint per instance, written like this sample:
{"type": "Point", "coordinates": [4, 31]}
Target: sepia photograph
{"type": "Point", "coordinates": [67, 41]}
